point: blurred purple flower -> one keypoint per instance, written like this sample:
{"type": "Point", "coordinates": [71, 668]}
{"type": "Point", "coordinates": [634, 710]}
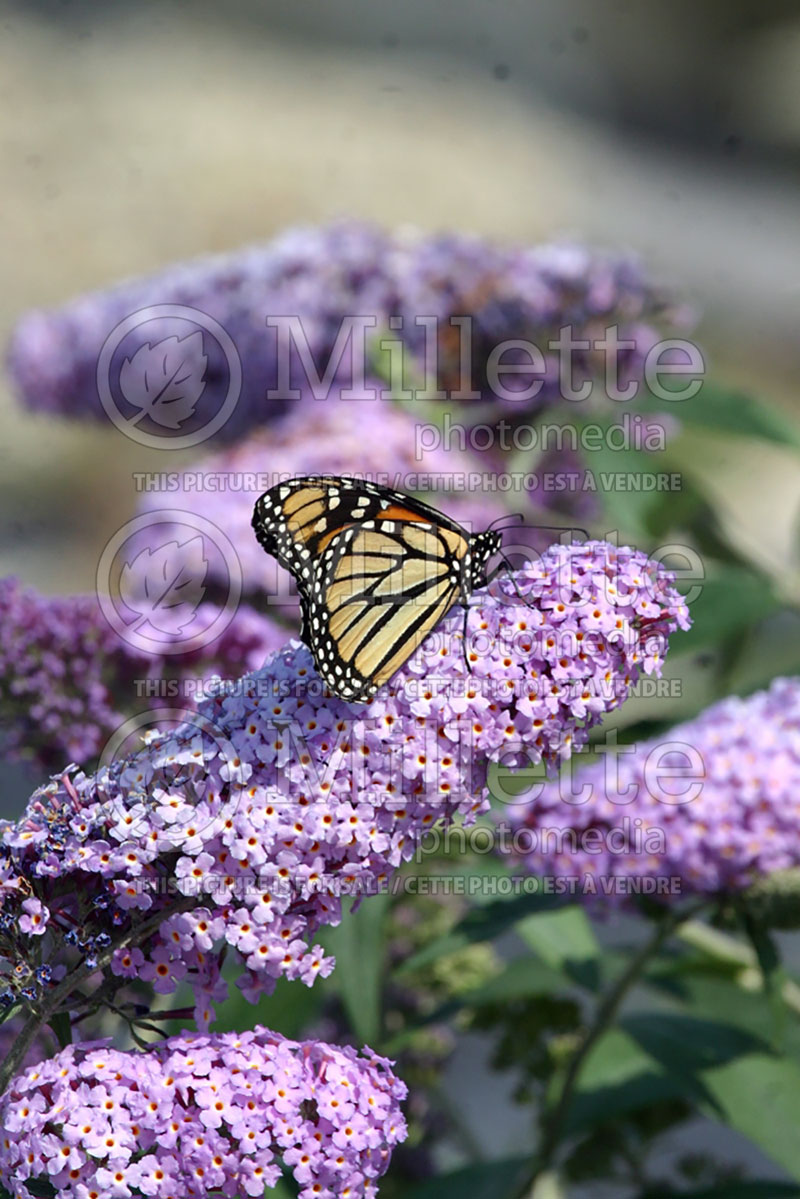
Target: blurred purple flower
{"type": "Point", "coordinates": [712, 806]}
{"type": "Point", "coordinates": [527, 293]}
{"type": "Point", "coordinates": [321, 276]}
{"type": "Point", "coordinates": [67, 679]}
{"type": "Point", "coordinates": [339, 437]}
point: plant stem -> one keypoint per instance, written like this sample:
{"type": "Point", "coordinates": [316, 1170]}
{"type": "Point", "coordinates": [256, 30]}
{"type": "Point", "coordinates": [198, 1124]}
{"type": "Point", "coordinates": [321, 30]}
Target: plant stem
{"type": "Point", "coordinates": [52, 1002]}
{"type": "Point", "coordinates": [555, 1121]}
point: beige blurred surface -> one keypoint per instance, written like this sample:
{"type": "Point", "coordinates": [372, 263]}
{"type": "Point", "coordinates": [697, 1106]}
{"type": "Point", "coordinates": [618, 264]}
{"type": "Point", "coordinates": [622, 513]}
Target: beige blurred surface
{"type": "Point", "coordinates": [122, 154]}
{"type": "Point", "coordinates": [138, 137]}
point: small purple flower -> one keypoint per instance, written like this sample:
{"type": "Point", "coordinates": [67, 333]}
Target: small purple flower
{"type": "Point", "coordinates": [127, 963]}
{"type": "Point", "coordinates": [163, 971]}
{"type": "Point", "coordinates": [335, 796]}
{"type": "Point", "coordinates": [34, 920]}
{"type": "Point", "coordinates": [67, 679]}
{"type": "Point", "coordinates": [712, 806]}
{"type": "Point", "coordinates": [202, 1115]}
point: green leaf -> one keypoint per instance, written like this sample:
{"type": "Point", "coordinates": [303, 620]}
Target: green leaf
{"type": "Point", "coordinates": [669, 971]}
{"type": "Point", "coordinates": [62, 1027]}
{"type": "Point", "coordinates": [683, 1046]}
{"type": "Point", "coordinates": [618, 1077]}
{"type": "Point", "coordinates": [565, 940]}
{"type": "Point", "coordinates": [732, 599]}
{"type": "Point", "coordinates": [41, 1188]}
{"type": "Point", "coordinates": [758, 1096]}
{"type": "Point", "coordinates": [484, 1180]}
{"type": "Point", "coordinates": [621, 478]}
{"type": "Point", "coordinates": [764, 946]}
{"type": "Point", "coordinates": [717, 998]}
{"type": "Point", "coordinates": [481, 924]}
{"type": "Point", "coordinates": [689, 1043]}
{"type": "Point", "coordinates": [359, 945]}
{"type": "Point", "coordinates": [772, 649]}
{"type": "Point", "coordinates": [288, 1010]}
{"type": "Point", "coordinates": [283, 1189]}
{"type": "Point", "coordinates": [728, 411]}
{"type": "Point", "coordinates": [521, 978]}
{"type": "Point", "coordinates": [6, 1014]}
{"type": "Point", "coordinates": [604, 1105]}
{"type": "Point", "coordinates": [548, 1186]}
{"type": "Point", "coordinates": [773, 973]}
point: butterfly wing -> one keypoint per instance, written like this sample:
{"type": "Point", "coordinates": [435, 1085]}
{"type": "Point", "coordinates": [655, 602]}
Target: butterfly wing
{"type": "Point", "coordinates": [375, 569]}
{"type": "Point", "coordinates": [378, 592]}
{"type": "Point", "coordinates": [295, 520]}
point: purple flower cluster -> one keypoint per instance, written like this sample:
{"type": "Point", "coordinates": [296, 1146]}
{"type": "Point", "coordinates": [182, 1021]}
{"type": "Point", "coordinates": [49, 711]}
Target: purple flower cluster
{"type": "Point", "coordinates": [712, 806]}
{"type": "Point", "coordinates": [67, 679]}
{"type": "Point", "coordinates": [200, 1116]}
{"type": "Point", "coordinates": [322, 276]}
{"type": "Point", "coordinates": [374, 441]}
{"type": "Point", "coordinates": [246, 825]}
{"type": "Point", "coordinates": [235, 836]}
{"type": "Point", "coordinates": [527, 293]}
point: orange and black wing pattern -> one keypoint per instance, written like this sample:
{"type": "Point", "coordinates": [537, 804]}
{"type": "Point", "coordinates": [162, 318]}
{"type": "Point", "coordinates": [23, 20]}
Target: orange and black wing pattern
{"type": "Point", "coordinates": [376, 571]}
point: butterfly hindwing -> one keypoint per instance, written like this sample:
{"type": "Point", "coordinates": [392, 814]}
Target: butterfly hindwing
{"type": "Point", "coordinates": [375, 599]}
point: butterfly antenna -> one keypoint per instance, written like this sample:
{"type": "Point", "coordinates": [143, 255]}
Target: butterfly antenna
{"type": "Point", "coordinates": [519, 516]}
{"type": "Point", "coordinates": [509, 564]}
{"type": "Point", "coordinates": [514, 516]}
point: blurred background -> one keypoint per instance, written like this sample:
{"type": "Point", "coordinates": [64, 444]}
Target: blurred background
{"type": "Point", "coordinates": [132, 136]}
{"type": "Point", "coordinates": [137, 135]}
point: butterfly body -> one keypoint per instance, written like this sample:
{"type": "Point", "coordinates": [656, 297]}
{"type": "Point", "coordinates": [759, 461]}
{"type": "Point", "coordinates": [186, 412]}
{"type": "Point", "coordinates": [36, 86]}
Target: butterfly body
{"type": "Point", "coordinates": [376, 571]}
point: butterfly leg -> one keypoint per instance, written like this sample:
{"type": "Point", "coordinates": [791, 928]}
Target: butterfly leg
{"type": "Point", "coordinates": [509, 569]}
{"type": "Point", "coordinates": [464, 638]}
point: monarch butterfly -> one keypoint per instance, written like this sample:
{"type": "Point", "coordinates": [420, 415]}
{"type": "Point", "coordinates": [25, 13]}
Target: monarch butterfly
{"type": "Point", "coordinates": [376, 571]}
